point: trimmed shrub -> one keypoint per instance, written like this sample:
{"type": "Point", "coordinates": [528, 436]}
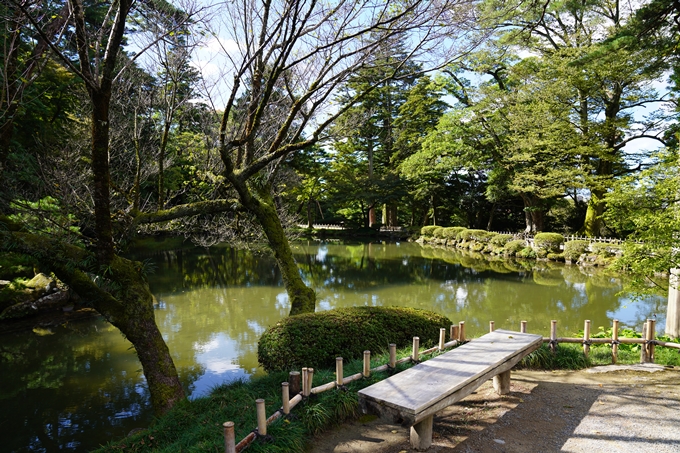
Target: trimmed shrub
{"type": "Point", "coordinates": [428, 230]}
{"type": "Point", "coordinates": [527, 252]}
{"type": "Point", "coordinates": [438, 233]}
{"type": "Point", "coordinates": [500, 240]}
{"type": "Point", "coordinates": [549, 241]}
{"type": "Point", "coordinates": [514, 247]}
{"type": "Point", "coordinates": [316, 339]}
{"type": "Point", "coordinates": [574, 249]}
{"type": "Point", "coordinates": [604, 249]}
{"type": "Point", "coordinates": [451, 233]}
{"type": "Point", "coordinates": [556, 256]}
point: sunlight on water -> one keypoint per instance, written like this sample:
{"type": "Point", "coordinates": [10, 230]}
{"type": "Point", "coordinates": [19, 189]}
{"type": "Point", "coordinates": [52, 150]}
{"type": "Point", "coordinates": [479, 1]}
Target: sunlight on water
{"type": "Point", "coordinates": [79, 385]}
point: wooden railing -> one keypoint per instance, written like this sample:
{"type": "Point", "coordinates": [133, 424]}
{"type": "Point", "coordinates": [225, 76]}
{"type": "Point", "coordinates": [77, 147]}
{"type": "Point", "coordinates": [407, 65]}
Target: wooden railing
{"type": "Point", "coordinates": [300, 383]}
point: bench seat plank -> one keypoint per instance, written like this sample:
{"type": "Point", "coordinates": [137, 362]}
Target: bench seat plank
{"type": "Point", "coordinates": [428, 387]}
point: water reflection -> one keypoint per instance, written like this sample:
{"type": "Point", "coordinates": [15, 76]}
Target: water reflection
{"type": "Point", "coordinates": [82, 385]}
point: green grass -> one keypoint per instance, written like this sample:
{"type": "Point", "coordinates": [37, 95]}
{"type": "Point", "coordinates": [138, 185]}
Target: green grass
{"type": "Point", "coordinates": [196, 426]}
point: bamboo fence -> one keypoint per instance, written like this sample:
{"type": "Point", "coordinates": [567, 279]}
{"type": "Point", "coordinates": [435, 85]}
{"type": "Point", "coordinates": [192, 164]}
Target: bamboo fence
{"type": "Point", "coordinates": [300, 383]}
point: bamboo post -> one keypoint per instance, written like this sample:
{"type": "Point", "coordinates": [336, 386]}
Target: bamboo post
{"type": "Point", "coordinates": [461, 331]}
{"type": "Point", "coordinates": [651, 335]}
{"type": "Point", "coordinates": [416, 347]}
{"type": "Point", "coordinates": [285, 397]}
{"type": "Point", "coordinates": [304, 382]}
{"type": "Point", "coordinates": [294, 382]}
{"type": "Point", "coordinates": [442, 338]}
{"type": "Point", "coordinates": [454, 332]}
{"type": "Point", "coordinates": [261, 417]}
{"type": "Point", "coordinates": [310, 380]}
{"type": "Point", "coordinates": [553, 336]}
{"type": "Point", "coordinates": [367, 364]}
{"type": "Point", "coordinates": [338, 371]}
{"type": "Point", "coordinates": [586, 338]}
{"type": "Point", "coordinates": [523, 326]}
{"type": "Point", "coordinates": [615, 340]}
{"type": "Point", "coordinates": [393, 355]}
{"type": "Point", "coordinates": [643, 349]}
{"type": "Point", "coordinates": [491, 326]}
{"type": "Point", "coordinates": [229, 438]}
{"type": "Point", "coordinates": [673, 310]}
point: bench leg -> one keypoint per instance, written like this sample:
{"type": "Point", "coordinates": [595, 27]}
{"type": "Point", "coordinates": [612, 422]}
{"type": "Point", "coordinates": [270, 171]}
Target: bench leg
{"type": "Point", "coordinates": [421, 434]}
{"type": "Point", "coordinates": [501, 383]}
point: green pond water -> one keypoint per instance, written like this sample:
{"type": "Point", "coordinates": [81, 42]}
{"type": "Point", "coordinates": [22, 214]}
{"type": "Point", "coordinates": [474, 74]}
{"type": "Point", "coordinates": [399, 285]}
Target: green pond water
{"type": "Point", "coordinates": [74, 387]}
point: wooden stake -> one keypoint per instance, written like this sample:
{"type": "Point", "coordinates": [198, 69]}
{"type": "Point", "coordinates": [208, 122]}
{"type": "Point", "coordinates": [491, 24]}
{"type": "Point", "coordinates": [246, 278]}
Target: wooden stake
{"type": "Point", "coordinates": [416, 349]}
{"type": "Point", "coordinates": [393, 355]}
{"type": "Point", "coordinates": [453, 335]}
{"type": "Point", "coordinates": [304, 382]}
{"type": "Point", "coordinates": [491, 326]}
{"type": "Point", "coordinates": [586, 338]}
{"type": "Point", "coordinates": [338, 371]}
{"type": "Point", "coordinates": [229, 438]}
{"type": "Point", "coordinates": [643, 349]}
{"type": "Point", "coordinates": [461, 331]}
{"type": "Point", "coordinates": [367, 364]}
{"type": "Point", "coordinates": [553, 336]}
{"type": "Point", "coordinates": [261, 417]}
{"type": "Point", "coordinates": [285, 397]}
{"type": "Point", "coordinates": [442, 338]}
{"type": "Point", "coordinates": [615, 339]}
{"type": "Point", "coordinates": [310, 380]}
{"type": "Point", "coordinates": [523, 326]}
{"type": "Point", "coordinates": [651, 335]}
{"type": "Point", "coordinates": [294, 382]}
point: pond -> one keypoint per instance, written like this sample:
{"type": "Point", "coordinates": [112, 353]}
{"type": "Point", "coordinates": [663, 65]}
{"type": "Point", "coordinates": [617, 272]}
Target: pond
{"type": "Point", "coordinates": [77, 386]}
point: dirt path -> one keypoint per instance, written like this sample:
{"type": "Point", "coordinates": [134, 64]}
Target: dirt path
{"type": "Point", "coordinates": [605, 409]}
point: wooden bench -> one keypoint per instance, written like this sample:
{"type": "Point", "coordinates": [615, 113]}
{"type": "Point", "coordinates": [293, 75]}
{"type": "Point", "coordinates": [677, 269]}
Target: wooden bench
{"type": "Point", "coordinates": [413, 396]}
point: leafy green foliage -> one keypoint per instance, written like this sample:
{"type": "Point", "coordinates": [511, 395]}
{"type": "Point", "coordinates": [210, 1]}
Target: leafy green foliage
{"type": "Point", "coordinates": [428, 230]}
{"type": "Point", "coordinates": [512, 248]}
{"type": "Point", "coordinates": [438, 233]}
{"type": "Point", "coordinates": [567, 357]}
{"type": "Point", "coordinates": [451, 233]}
{"type": "Point", "coordinates": [45, 215]}
{"type": "Point", "coordinates": [316, 339]}
{"type": "Point", "coordinates": [15, 265]}
{"type": "Point", "coordinates": [549, 241]}
{"type": "Point", "coordinates": [500, 240]}
{"type": "Point", "coordinates": [574, 249]}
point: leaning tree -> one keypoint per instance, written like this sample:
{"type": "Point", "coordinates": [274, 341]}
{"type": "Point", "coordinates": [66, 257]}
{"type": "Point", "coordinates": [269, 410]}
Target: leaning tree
{"type": "Point", "coordinates": [283, 61]}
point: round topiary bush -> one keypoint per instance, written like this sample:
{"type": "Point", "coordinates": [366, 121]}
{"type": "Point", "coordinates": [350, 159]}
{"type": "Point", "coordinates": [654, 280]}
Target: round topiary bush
{"type": "Point", "coordinates": [451, 233]}
{"type": "Point", "coordinates": [574, 249]}
{"type": "Point", "coordinates": [316, 339]}
{"type": "Point", "coordinates": [514, 247]}
{"type": "Point", "coordinates": [550, 242]}
{"type": "Point", "coordinates": [428, 230]}
{"type": "Point", "coordinates": [500, 240]}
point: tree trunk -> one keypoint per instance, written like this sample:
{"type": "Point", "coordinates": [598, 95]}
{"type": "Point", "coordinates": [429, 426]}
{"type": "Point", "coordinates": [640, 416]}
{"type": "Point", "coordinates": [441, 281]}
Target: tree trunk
{"type": "Point", "coordinates": [592, 224]}
{"type": "Point", "coordinates": [101, 176]}
{"type": "Point", "coordinates": [302, 298]}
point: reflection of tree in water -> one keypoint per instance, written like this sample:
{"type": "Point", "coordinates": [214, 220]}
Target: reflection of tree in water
{"type": "Point", "coordinates": [77, 388]}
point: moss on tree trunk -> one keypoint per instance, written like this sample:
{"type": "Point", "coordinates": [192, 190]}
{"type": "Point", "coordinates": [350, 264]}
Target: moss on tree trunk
{"type": "Point", "coordinates": [302, 298]}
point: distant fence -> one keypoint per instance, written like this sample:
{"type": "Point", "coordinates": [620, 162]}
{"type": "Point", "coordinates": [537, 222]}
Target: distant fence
{"type": "Point", "coordinates": [572, 237]}
{"type": "Point", "coordinates": [300, 384]}
{"type": "Point", "coordinates": [341, 226]}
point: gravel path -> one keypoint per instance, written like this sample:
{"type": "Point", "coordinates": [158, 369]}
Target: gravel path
{"type": "Point", "coordinates": [604, 409]}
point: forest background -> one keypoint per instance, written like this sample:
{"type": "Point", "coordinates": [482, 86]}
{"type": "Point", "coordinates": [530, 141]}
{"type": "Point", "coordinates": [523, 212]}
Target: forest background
{"type": "Point", "coordinates": [234, 122]}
